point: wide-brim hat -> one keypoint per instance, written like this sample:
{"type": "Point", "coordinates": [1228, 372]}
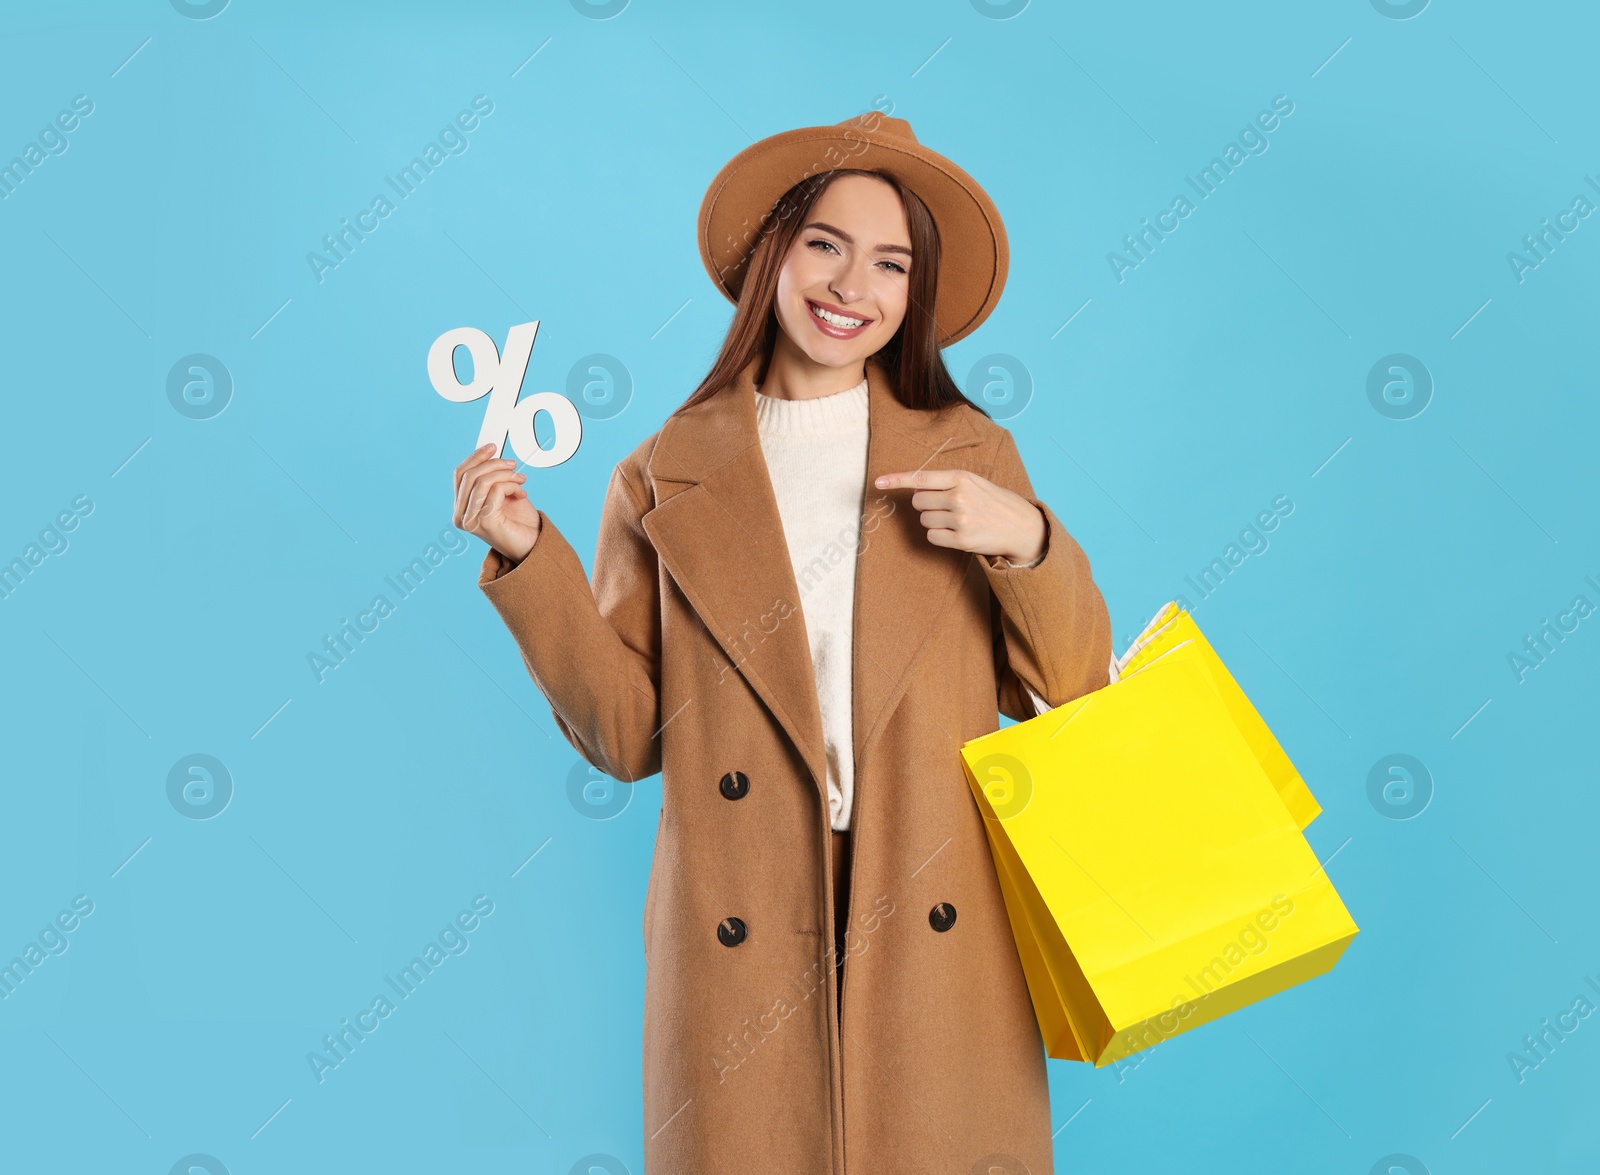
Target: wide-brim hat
{"type": "Point", "coordinates": [973, 253]}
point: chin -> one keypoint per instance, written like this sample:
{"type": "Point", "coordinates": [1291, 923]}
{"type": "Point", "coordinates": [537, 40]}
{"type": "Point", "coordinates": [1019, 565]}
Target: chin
{"type": "Point", "coordinates": [830, 357]}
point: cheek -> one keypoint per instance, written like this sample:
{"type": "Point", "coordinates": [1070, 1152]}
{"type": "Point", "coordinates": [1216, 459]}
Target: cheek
{"type": "Point", "coordinates": [794, 277]}
{"type": "Point", "coordinates": [892, 298]}
{"type": "Point", "coordinates": [788, 304]}
{"type": "Point", "coordinates": [800, 270]}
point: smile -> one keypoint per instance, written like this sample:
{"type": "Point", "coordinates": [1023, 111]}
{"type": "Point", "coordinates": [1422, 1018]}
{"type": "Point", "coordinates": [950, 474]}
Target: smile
{"type": "Point", "coordinates": [836, 325]}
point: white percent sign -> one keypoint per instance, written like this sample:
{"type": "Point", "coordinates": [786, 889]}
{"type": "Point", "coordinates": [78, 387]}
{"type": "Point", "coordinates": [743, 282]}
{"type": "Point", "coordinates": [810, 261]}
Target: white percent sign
{"type": "Point", "coordinates": [500, 378]}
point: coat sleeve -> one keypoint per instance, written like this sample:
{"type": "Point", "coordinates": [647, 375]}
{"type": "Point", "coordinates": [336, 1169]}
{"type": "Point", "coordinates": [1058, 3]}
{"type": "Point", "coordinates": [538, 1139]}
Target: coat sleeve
{"type": "Point", "coordinates": [1052, 630]}
{"type": "Point", "coordinates": [595, 655]}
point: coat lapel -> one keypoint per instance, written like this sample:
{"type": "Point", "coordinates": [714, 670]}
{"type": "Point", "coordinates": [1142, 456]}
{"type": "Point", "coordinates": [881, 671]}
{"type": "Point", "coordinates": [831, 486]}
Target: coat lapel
{"type": "Point", "coordinates": [717, 529]}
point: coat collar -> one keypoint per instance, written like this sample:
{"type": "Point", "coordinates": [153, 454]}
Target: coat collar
{"type": "Point", "coordinates": [716, 528]}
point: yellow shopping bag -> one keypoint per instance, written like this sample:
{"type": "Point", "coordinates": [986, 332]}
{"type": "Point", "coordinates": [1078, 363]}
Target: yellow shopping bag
{"type": "Point", "coordinates": [1154, 869]}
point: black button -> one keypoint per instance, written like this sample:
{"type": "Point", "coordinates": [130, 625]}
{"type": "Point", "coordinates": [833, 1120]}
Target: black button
{"type": "Point", "coordinates": [735, 784]}
{"type": "Point", "coordinates": [942, 917]}
{"type": "Point", "coordinates": [731, 931]}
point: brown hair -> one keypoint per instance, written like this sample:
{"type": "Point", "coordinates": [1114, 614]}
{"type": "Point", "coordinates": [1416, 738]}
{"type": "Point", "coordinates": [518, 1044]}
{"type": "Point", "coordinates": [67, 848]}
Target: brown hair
{"type": "Point", "coordinates": [912, 358]}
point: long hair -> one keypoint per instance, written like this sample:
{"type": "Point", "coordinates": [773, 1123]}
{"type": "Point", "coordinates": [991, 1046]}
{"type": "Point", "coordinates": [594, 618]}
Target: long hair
{"type": "Point", "coordinates": [912, 358]}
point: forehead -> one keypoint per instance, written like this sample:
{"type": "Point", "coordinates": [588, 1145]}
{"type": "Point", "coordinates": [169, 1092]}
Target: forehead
{"type": "Point", "coordinates": [866, 208]}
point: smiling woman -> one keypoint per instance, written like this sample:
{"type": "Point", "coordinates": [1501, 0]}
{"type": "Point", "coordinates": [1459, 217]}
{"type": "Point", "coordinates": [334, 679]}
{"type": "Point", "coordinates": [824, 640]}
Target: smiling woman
{"type": "Point", "coordinates": [823, 574]}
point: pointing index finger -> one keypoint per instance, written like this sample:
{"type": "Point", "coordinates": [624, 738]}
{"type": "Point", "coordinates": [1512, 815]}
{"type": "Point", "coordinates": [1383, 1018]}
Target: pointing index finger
{"type": "Point", "coordinates": [921, 479]}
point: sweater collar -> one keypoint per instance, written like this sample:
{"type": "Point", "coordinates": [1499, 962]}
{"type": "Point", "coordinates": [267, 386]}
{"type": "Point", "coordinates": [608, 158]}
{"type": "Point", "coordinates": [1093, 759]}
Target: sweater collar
{"type": "Point", "coordinates": [838, 414]}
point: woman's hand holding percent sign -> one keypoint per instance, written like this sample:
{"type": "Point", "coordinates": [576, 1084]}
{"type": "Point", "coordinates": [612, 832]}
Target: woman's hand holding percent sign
{"type": "Point", "coordinates": [489, 499]}
{"type": "Point", "coordinates": [500, 378]}
{"type": "Point", "coordinates": [491, 503]}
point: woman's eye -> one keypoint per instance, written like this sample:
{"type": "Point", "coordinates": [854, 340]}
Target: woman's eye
{"type": "Point", "coordinates": [893, 266]}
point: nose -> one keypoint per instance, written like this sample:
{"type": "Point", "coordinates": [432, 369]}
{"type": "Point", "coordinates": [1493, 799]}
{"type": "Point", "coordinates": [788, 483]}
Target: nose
{"type": "Point", "coordinates": [850, 281]}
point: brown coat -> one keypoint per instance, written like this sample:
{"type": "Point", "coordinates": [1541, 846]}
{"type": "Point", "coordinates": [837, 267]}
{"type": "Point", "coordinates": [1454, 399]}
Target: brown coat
{"type": "Point", "coordinates": [690, 658]}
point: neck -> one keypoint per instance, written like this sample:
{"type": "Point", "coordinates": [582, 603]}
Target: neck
{"type": "Point", "coordinates": [794, 375]}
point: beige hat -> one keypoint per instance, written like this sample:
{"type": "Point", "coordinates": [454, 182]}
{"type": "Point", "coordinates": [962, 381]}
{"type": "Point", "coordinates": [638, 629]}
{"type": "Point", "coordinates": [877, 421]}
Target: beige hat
{"type": "Point", "coordinates": [973, 252]}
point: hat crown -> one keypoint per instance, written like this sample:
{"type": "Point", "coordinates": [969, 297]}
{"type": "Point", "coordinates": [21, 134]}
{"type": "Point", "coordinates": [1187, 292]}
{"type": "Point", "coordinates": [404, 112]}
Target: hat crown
{"type": "Point", "coordinates": [881, 124]}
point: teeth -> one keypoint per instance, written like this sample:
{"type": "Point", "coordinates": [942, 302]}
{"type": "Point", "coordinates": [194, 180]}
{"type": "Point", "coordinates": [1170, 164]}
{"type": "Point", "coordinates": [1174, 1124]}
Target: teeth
{"type": "Point", "coordinates": [837, 319]}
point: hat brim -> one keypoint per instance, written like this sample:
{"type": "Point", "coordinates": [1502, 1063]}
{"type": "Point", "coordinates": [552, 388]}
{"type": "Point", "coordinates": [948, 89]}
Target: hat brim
{"type": "Point", "coordinates": [974, 255]}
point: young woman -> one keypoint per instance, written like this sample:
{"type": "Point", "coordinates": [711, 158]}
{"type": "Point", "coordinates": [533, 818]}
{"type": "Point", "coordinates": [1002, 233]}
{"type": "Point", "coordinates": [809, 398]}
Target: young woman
{"type": "Point", "coordinates": [822, 575]}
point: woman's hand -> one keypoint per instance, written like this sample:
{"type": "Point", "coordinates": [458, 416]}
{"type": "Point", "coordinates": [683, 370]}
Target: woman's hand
{"type": "Point", "coordinates": [972, 513]}
{"type": "Point", "coordinates": [491, 503]}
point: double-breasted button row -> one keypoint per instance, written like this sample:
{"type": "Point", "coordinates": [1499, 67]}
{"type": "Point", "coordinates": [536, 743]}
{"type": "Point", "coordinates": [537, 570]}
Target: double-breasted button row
{"type": "Point", "coordinates": [735, 785]}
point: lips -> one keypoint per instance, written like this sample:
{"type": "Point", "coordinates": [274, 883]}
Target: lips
{"type": "Point", "coordinates": [831, 329]}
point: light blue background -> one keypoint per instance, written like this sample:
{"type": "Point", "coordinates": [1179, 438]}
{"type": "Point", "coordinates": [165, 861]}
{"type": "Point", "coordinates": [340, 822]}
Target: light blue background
{"type": "Point", "coordinates": [368, 809]}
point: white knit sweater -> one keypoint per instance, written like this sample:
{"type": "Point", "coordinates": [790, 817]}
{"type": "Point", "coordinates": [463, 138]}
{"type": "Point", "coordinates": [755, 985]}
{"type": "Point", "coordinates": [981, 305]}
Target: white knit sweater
{"type": "Point", "coordinates": [816, 454]}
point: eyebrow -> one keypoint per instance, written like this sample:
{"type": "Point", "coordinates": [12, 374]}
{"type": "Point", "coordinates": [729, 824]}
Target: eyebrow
{"type": "Point", "coordinates": [849, 240]}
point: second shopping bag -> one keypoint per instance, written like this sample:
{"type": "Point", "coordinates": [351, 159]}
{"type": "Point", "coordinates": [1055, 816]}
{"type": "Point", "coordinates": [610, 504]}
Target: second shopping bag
{"type": "Point", "coordinates": [1155, 875]}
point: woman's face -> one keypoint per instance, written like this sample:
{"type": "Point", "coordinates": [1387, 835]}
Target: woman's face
{"type": "Point", "coordinates": [851, 260]}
